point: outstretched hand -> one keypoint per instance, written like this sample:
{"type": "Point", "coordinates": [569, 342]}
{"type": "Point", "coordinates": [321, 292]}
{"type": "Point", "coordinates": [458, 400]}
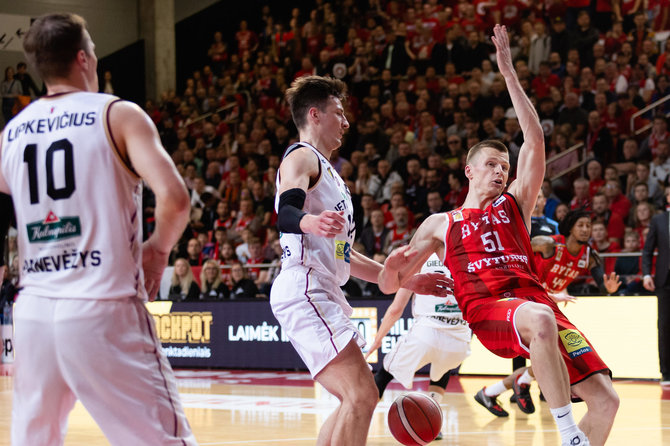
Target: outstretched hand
{"type": "Point", "coordinates": [432, 284]}
{"type": "Point", "coordinates": [562, 297]}
{"type": "Point", "coordinates": [612, 282]}
{"type": "Point", "coordinates": [503, 52]}
{"type": "Point", "coordinates": [400, 258]}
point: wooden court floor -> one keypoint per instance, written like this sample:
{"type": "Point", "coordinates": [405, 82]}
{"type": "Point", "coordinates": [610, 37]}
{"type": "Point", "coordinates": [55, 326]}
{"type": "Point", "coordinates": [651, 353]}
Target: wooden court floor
{"type": "Point", "coordinates": [257, 408]}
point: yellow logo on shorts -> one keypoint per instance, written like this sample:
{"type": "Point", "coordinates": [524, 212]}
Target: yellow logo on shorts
{"type": "Point", "coordinates": [342, 250]}
{"type": "Point", "coordinates": [574, 343]}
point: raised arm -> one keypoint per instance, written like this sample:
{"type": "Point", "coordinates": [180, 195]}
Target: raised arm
{"type": "Point", "coordinates": [393, 313]}
{"type": "Point", "coordinates": [531, 163]}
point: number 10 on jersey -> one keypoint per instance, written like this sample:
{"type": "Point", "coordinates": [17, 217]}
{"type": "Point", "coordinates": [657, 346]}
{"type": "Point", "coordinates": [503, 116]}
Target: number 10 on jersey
{"type": "Point", "coordinates": [56, 193]}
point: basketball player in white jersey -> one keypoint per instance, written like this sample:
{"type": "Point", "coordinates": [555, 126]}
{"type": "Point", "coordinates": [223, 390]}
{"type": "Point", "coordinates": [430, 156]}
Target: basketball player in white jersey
{"type": "Point", "coordinates": [73, 162]}
{"type": "Point", "coordinates": [439, 337]}
{"type": "Point", "coordinates": [315, 220]}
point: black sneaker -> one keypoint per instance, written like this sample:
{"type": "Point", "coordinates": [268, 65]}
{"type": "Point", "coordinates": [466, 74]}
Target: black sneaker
{"type": "Point", "coordinates": [491, 404]}
{"type": "Point", "coordinates": [512, 399]}
{"type": "Point", "coordinates": [523, 399]}
{"type": "Point", "coordinates": [542, 398]}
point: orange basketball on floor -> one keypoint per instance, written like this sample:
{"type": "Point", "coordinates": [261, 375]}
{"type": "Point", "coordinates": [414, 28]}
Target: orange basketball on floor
{"type": "Point", "coordinates": [415, 419]}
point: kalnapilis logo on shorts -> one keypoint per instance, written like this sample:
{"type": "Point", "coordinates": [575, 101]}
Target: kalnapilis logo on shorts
{"type": "Point", "coordinates": [574, 343]}
{"type": "Point", "coordinates": [343, 250]}
{"type": "Point", "coordinates": [53, 228]}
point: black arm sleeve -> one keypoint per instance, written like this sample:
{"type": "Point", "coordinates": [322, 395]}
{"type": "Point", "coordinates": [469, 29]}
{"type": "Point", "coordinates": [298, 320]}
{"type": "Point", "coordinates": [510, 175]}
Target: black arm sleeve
{"type": "Point", "coordinates": [6, 212]}
{"type": "Point", "coordinates": [290, 211]}
{"type": "Point", "coordinates": [597, 273]}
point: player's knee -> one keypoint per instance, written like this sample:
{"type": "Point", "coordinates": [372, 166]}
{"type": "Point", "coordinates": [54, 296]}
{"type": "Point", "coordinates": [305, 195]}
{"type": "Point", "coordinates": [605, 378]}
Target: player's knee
{"type": "Point", "coordinates": [604, 400]}
{"type": "Point", "coordinates": [542, 322]}
{"type": "Point", "coordinates": [609, 403]}
{"type": "Point", "coordinates": [364, 399]}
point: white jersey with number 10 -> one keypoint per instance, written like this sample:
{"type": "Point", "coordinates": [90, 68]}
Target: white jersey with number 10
{"type": "Point", "coordinates": [78, 206]}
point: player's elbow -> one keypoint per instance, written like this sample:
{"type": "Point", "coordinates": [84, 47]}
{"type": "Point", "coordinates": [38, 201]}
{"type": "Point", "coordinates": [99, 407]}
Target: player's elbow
{"type": "Point", "coordinates": [535, 136]}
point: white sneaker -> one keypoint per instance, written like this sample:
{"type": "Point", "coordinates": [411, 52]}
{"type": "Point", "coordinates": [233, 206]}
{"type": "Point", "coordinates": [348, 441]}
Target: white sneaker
{"type": "Point", "coordinates": [577, 440]}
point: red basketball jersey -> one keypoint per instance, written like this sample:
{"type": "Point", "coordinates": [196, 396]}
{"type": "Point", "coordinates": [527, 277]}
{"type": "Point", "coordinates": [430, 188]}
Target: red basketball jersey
{"type": "Point", "coordinates": [561, 269]}
{"type": "Point", "coordinates": [489, 255]}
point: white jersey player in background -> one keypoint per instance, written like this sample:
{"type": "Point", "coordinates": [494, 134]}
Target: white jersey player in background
{"type": "Point", "coordinates": [439, 337]}
{"type": "Point", "coordinates": [73, 163]}
{"type": "Point", "coordinates": [317, 230]}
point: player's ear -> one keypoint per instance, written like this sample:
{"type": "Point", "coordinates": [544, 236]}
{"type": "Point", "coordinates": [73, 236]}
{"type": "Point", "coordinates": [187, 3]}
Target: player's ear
{"type": "Point", "coordinates": [468, 172]}
{"type": "Point", "coordinates": [313, 113]}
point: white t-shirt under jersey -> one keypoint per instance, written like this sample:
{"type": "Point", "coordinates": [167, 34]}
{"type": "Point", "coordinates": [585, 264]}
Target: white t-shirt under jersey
{"type": "Point", "coordinates": [78, 207]}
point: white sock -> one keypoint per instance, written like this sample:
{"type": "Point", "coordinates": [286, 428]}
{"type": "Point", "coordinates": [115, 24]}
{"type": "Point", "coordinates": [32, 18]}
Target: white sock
{"type": "Point", "coordinates": [525, 378]}
{"type": "Point", "coordinates": [496, 389]}
{"type": "Point", "coordinates": [436, 396]}
{"type": "Point", "coordinates": [566, 422]}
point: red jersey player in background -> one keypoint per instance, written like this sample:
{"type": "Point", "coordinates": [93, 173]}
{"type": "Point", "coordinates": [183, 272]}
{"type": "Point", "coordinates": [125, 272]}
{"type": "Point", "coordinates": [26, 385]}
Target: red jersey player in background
{"type": "Point", "coordinates": [559, 259]}
{"type": "Point", "coordinates": [486, 246]}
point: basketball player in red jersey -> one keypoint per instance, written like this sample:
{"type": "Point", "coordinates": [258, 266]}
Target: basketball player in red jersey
{"type": "Point", "coordinates": [485, 245]}
{"type": "Point", "coordinates": [560, 259]}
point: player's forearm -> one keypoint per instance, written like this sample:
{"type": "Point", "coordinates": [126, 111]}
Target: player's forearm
{"type": "Point", "coordinates": [391, 316]}
{"type": "Point", "coordinates": [171, 213]}
{"type": "Point", "coordinates": [525, 111]}
{"type": "Point", "coordinates": [365, 268]}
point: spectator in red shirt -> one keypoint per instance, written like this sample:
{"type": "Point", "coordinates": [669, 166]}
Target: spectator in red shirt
{"type": "Point", "coordinates": [581, 198]}
{"type": "Point", "coordinates": [401, 233]}
{"type": "Point", "coordinates": [545, 79]}
{"type": "Point", "coordinates": [613, 222]}
{"type": "Point", "coordinates": [603, 244]}
{"type": "Point", "coordinates": [594, 170]}
{"type": "Point", "coordinates": [257, 274]}
{"type": "Point", "coordinates": [246, 39]}
{"type": "Point", "coordinates": [619, 203]}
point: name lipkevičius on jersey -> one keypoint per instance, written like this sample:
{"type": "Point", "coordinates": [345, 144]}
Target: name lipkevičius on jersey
{"type": "Point", "coordinates": [45, 125]}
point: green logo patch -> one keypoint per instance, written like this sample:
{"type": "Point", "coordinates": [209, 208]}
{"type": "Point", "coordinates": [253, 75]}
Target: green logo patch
{"type": "Point", "coordinates": [53, 228]}
{"type": "Point", "coordinates": [447, 308]}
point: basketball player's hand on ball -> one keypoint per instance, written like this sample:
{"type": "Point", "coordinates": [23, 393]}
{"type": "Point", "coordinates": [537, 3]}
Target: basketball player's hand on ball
{"type": "Point", "coordinates": [153, 264]}
{"type": "Point", "coordinates": [326, 224]}
{"type": "Point", "coordinates": [432, 284]}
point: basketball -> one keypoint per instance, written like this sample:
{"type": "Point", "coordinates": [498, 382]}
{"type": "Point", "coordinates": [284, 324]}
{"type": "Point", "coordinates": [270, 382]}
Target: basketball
{"type": "Point", "coordinates": [415, 419]}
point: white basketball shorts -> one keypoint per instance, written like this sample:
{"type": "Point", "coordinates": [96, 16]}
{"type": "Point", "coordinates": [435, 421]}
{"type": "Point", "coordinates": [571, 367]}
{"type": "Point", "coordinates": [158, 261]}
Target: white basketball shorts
{"type": "Point", "coordinates": [317, 326]}
{"type": "Point", "coordinates": [102, 352]}
{"type": "Point", "coordinates": [425, 344]}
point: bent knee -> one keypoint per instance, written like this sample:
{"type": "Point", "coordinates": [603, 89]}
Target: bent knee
{"type": "Point", "coordinates": [538, 320]}
{"type": "Point", "coordinates": [364, 396]}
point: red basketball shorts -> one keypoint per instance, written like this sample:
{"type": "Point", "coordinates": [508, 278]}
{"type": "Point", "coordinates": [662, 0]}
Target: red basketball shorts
{"type": "Point", "coordinates": [493, 321]}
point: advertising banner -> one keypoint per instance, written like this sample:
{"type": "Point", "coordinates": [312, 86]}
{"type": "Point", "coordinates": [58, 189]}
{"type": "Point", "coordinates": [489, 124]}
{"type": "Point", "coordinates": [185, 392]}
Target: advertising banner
{"type": "Point", "coordinates": [245, 334]}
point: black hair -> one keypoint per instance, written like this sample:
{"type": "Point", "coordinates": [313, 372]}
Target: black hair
{"type": "Point", "coordinates": [566, 225]}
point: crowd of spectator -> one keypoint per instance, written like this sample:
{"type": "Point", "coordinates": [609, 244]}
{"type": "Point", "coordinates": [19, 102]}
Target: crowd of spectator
{"type": "Point", "coordinates": [423, 87]}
